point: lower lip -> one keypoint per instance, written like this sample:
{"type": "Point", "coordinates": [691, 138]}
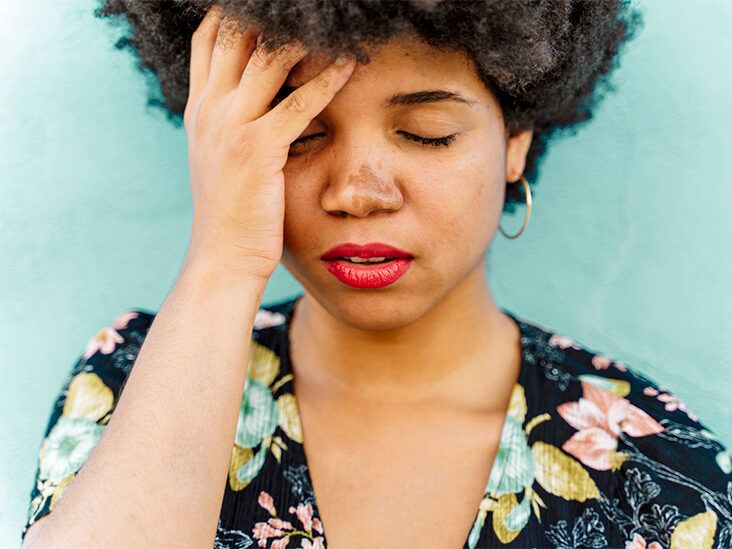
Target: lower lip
{"type": "Point", "coordinates": [368, 276]}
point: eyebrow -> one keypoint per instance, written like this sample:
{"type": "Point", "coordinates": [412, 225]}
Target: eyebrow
{"type": "Point", "coordinates": [426, 96]}
{"type": "Point", "coordinates": [401, 99]}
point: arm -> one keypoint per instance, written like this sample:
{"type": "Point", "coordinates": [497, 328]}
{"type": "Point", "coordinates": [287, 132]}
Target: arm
{"type": "Point", "coordinates": [157, 476]}
{"type": "Point", "coordinates": [176, 417]}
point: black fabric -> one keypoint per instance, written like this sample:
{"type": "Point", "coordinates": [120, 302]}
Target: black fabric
{"type": "Point", "coordinates": [592, 454]}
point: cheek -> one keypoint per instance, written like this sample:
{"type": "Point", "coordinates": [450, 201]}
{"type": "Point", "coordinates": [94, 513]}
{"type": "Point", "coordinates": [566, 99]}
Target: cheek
{"type": "Point", "coordinates": [483, 186]}
{"type": "Point", "coordinates": [452, 224]}
{"type": "Point", "coordinates": [462, 205]}
{"type": "Point", "coordinates": [471, 213]}
{"type": "Point", "coordinates": [298, 210]}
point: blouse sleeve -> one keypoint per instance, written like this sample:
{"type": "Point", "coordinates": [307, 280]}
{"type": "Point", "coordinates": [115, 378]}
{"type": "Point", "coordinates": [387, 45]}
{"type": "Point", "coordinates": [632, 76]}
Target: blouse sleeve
{"type": "Point", "coordinates": [83, 408]}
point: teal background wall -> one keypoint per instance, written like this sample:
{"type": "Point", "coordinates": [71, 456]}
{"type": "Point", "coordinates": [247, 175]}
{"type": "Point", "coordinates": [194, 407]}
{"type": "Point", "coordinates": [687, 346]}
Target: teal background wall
{"type": "Point", "coordinates": [628, 249]}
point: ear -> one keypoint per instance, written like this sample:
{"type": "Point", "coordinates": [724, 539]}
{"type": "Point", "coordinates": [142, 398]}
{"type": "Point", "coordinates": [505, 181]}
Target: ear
{"type": "Point", "coordinates": [517, 147]}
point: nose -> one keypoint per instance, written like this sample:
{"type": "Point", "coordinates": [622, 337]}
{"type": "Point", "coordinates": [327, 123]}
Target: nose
{"type": "Point", "coordinates": [360, 190]}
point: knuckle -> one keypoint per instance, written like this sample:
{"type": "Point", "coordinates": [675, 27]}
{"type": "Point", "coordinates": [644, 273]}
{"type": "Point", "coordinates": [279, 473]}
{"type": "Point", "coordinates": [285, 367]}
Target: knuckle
{"type": "Point", "coordinates": [262, 59]}
{"type": "Point", "coordinates": [204, 119]}
{"type": "Point", "coordinates": [284, 57]}
{"type": "Point", "coordinates": [322, 82]}
{"type": "Point", "coordinates": [296, 103]}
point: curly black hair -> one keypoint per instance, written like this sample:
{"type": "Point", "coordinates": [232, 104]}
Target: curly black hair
{"type": "Point", "coordinates": [547, 61]}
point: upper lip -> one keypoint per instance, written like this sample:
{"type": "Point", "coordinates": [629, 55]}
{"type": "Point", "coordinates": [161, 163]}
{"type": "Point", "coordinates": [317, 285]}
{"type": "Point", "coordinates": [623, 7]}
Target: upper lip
{"type": "Point", "coordinates": [364, 251]}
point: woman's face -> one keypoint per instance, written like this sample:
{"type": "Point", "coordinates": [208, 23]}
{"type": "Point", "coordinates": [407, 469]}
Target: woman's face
{"type": "Point", "coordinates": [442, 204]}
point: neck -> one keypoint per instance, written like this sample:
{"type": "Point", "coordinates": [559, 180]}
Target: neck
{"type": "Point", "coordinates": [464, 350]}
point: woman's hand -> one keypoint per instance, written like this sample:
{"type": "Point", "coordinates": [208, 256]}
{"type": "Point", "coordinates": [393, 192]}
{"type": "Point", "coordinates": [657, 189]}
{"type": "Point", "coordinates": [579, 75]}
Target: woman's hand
{"type": "Point", "coordinates": [238, 146]}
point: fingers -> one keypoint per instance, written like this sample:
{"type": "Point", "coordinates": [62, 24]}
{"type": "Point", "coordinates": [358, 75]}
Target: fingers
{"type": "Point", "coordinates": [263, 77]}
{"type": "Point", "coordinates": [290, 117]}
{"type": "Point", "coordinates": [224, 59]}
{"type": "Point", "coordinates": [202, 44]}
{"type": "Point", "coordinates": [230, 55]}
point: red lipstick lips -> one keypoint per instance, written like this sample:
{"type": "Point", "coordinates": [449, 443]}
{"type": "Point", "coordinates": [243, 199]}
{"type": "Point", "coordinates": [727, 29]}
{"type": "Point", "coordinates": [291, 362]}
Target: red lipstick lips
{"type": "Point", "coordinates": [373, 249]}
{"type": "Point", "coordinates": [363, 274]}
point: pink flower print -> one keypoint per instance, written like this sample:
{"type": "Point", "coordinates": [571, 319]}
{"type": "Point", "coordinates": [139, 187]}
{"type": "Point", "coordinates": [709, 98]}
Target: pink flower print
{"type": "Point", "coordinates": [672, 402]}
{"type": "Point", "coordinates": [267, 319]}
{"type": "Point", "coordinates": [600, 416]}
{"type": "Point", "coordinates": [279, 524]}
{"type": "Point", "coordinates": [603, 362]}
{"type": "Point", "coordinates": [276, 527]}
{"type": "Point", "coordinates": [105, 341]}
{"type": "Point", "coordinates": [557, 340]}
{"type": "Point", "coordinates": [262, 531]}
{"type": "Point", "coordinates": [639, 542]}
{"type": "Point", "coordinates": [120, 323]}
{"type": "Point", "coordinates": [305, 515]}
{"type": "Point", "coordinates": [266, 501]}
{"type": "Point", "coordinates": [317, 543]}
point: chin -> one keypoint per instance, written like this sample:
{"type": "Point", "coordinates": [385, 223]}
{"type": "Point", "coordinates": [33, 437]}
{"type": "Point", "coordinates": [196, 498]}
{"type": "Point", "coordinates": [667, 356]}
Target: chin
{"type": "Point", "coordinates": [382, 309]}
{"type": "Point", "coordinates": [376, 310]}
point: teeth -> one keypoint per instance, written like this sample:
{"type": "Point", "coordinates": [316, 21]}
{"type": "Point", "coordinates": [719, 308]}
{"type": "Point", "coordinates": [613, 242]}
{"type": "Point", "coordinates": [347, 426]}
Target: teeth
{"type": "Point", "coordinates": [369, 260]}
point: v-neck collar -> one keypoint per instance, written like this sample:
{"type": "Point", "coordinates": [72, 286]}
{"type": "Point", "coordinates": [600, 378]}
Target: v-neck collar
{"type": "Point", "coordinates": [287, 308]}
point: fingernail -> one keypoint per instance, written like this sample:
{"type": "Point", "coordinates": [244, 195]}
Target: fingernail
{"type": "Point", "coordinates": [342, 59]}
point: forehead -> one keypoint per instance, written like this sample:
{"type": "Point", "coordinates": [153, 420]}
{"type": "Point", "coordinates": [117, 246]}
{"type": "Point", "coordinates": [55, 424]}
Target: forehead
{"type": "Point", "coordinates": [403, 63]}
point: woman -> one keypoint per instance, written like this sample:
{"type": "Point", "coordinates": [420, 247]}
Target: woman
{"type": "Point", "coordinates": [393, 404]}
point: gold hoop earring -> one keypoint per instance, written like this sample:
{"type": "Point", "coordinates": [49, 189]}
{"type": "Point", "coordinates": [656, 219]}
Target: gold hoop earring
{"type": "Point", "coordinates": [527, 190]}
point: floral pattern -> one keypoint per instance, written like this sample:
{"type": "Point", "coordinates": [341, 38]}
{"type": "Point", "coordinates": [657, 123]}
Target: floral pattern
{"type": "Point", "coordinates": [591, 454]}
{"type": "Point", "coordinates": [281, 530]}
{"type": "Point", "coordinates": [259, 415]}
{"type": "Point", "coordinates": [600, 416]}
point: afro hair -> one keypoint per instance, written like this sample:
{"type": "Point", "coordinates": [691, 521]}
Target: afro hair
{"type": "Point", "coordinates": [548, 62]}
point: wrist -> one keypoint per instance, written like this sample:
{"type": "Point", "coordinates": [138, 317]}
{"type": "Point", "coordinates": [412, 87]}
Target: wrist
{"type": "Point", "coordinates": [210, 274]}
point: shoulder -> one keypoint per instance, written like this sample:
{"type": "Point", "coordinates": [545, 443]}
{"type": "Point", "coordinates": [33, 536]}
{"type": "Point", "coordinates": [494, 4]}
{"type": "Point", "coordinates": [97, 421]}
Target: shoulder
{"type": "Point", "coordinates": [633, 387]}
{"type": "Point", "coordinates": [90, 392]}
{"type": "Point", "coordinates": [127, 329]}
{"type": "Point", "coordinates": [566, 360]}
{"type": "Point", "coordinates": [112, 350]}
{"type": "Point", "coordinates": [641, 405]}
{"type": "Point", "coordinates": [84, 406]}
{"type": "Point", "coordinates": [668, 476]}
{"type": "Point", "coordinates": [120, 340]}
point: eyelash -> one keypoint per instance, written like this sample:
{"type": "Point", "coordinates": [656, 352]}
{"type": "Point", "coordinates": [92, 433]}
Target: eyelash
{"type": "Point", "coordinates": [430, 141]}
{"type": "Point", "coordinates": [427, 141]}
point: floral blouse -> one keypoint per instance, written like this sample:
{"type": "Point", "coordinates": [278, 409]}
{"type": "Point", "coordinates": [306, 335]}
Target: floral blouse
{"type": "Point", "coordinates": [592, 454]}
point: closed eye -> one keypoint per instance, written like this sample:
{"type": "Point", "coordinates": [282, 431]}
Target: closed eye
{"type": "Point", "coordinates": [429, 141]}
{"type": "Point", "coordinates": [306, 138]}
